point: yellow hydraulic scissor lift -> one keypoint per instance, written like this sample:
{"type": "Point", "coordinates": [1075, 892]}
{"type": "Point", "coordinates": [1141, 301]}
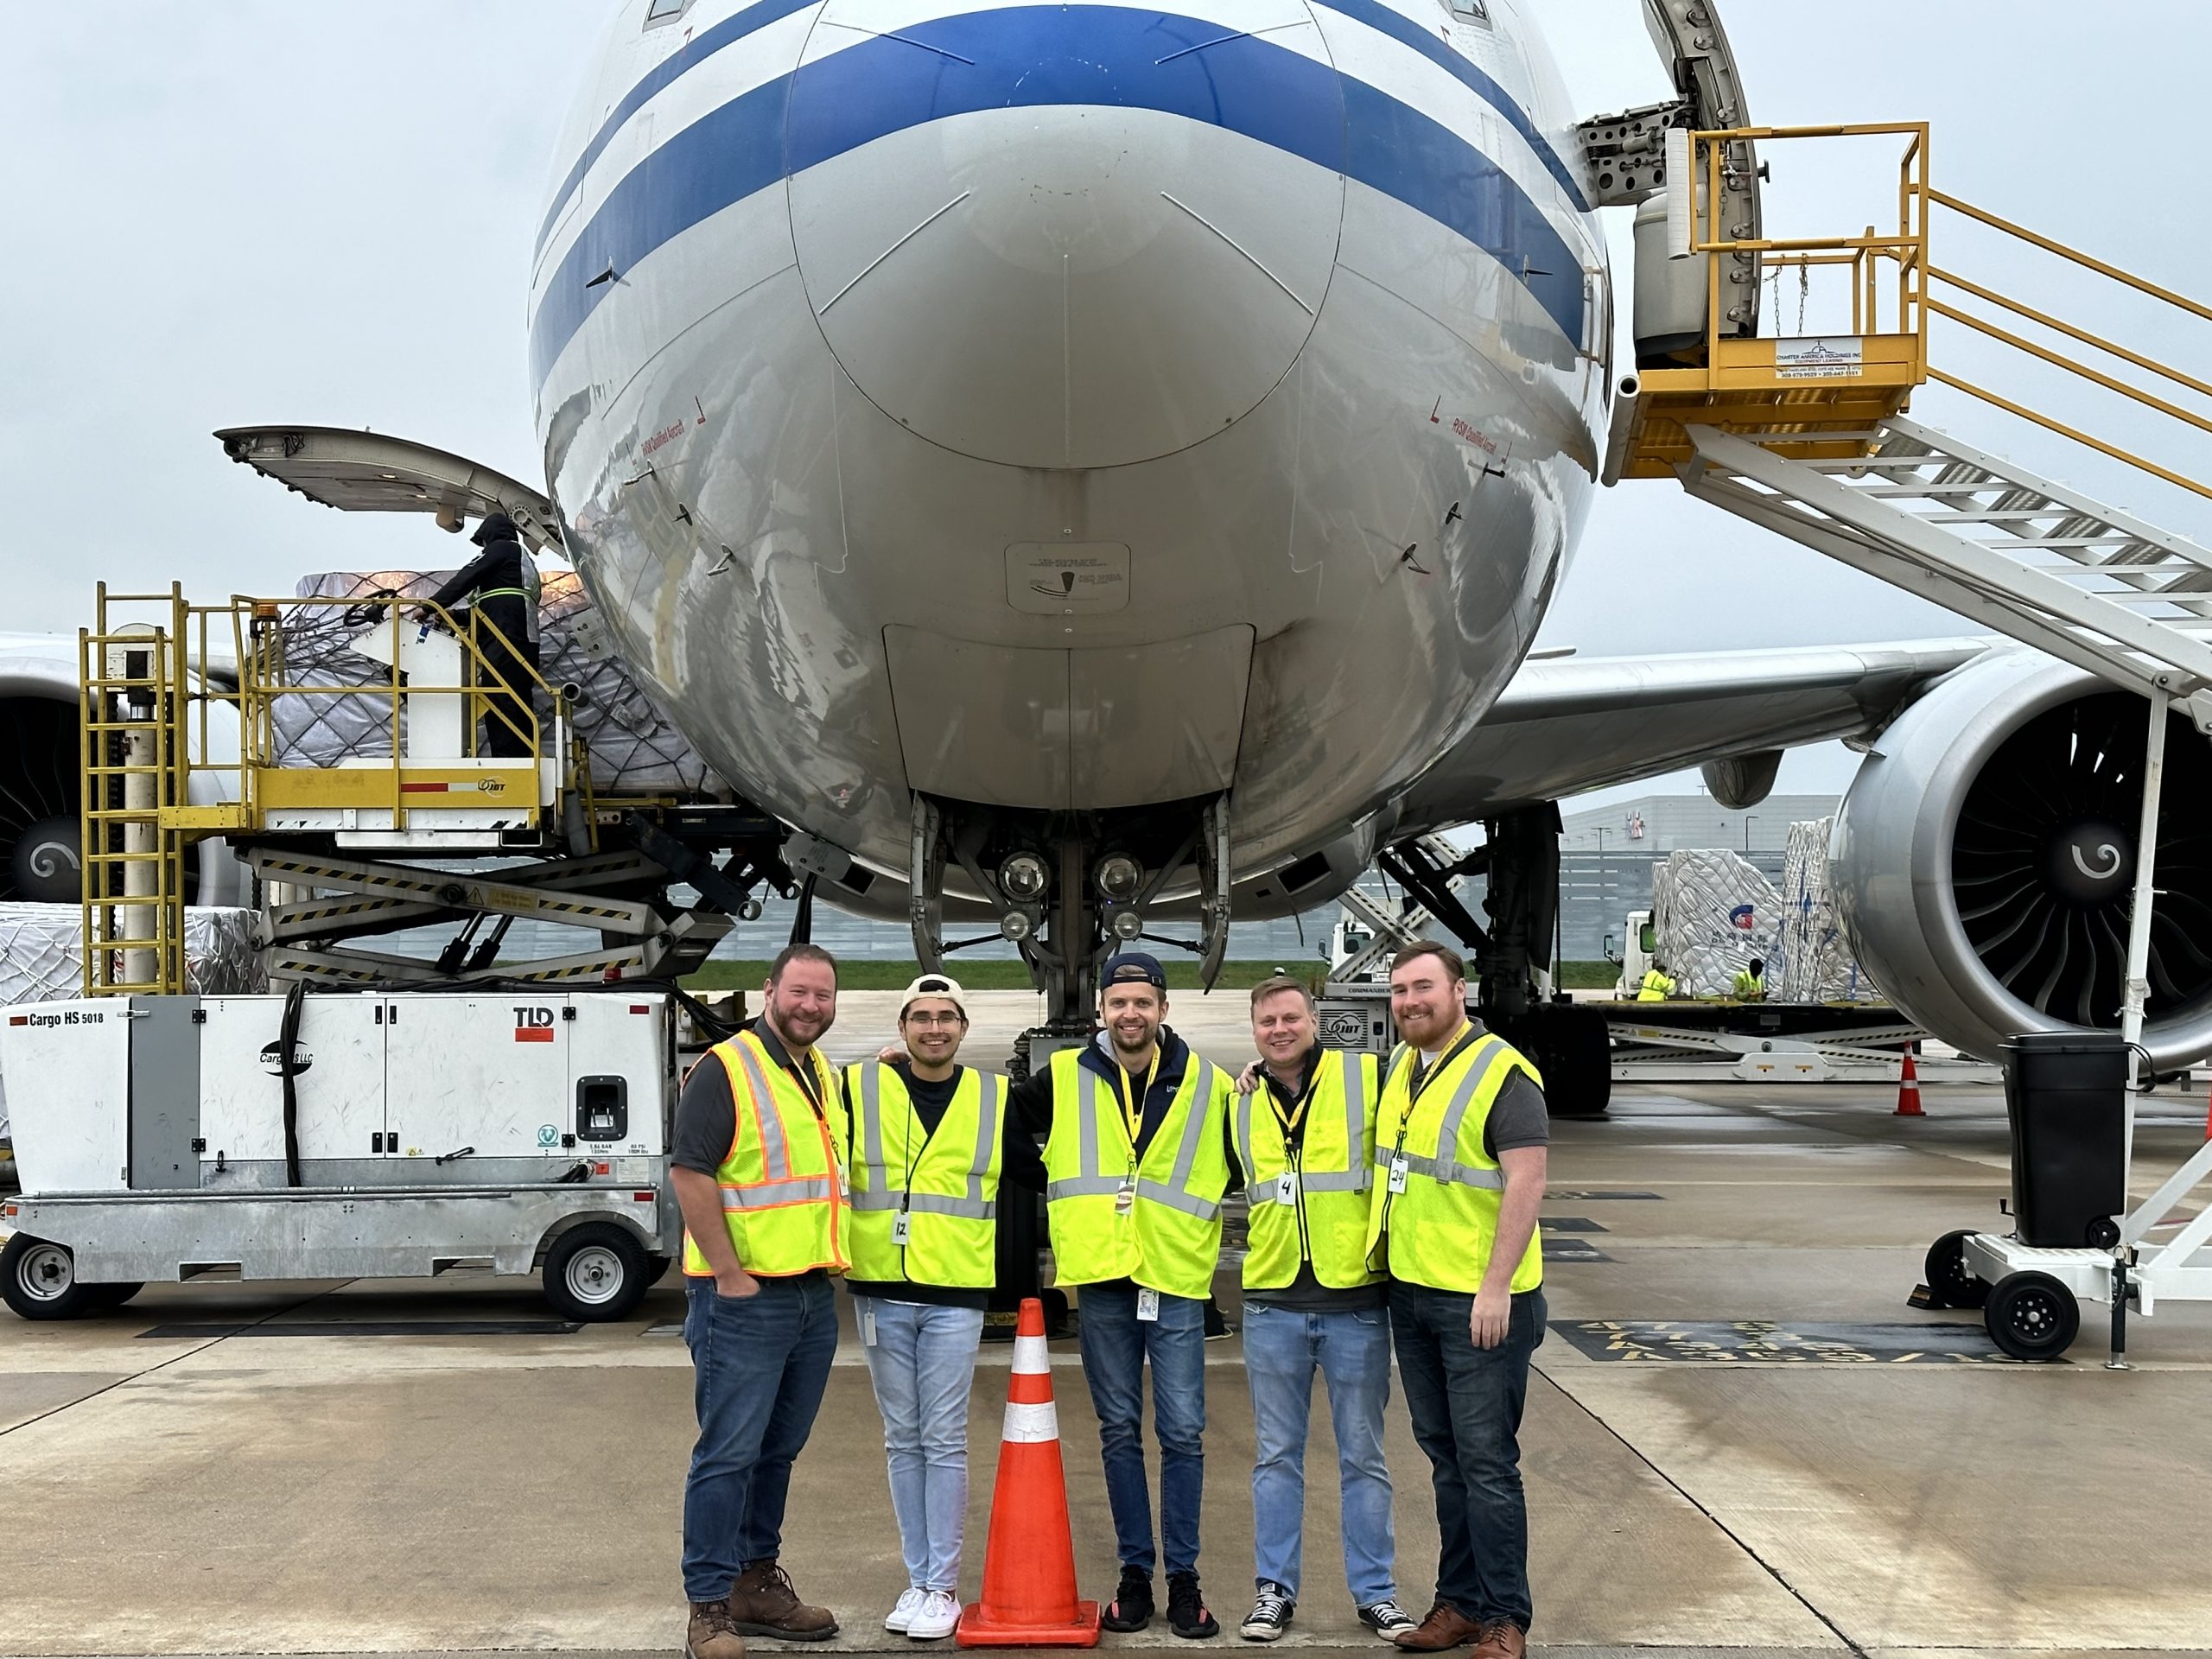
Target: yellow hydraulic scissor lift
{"type": "Point", "coordinates": [183, 739]}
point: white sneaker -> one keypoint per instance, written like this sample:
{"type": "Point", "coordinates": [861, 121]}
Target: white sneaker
{"type": "Point", "coordinates": [938, 1615]}
{"type": "Point", "coordinates": [901, 1618]}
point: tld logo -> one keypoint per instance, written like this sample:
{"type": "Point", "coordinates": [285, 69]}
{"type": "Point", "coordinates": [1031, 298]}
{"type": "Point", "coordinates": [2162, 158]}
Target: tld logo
{"type": "Point", "coordinates": [533, 1025]}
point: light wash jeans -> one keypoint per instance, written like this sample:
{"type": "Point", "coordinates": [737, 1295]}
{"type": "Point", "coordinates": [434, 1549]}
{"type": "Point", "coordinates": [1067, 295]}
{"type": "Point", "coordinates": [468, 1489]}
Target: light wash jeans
{"type": "Point", "coordinates": [923, 1364]}
{"type": "Point", "coordinates": [1282, 1347]}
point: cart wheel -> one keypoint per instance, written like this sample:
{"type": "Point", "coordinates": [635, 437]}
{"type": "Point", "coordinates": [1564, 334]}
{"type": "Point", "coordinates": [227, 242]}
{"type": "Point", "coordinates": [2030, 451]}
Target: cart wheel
{"type": "Point", "coordinates": [39, 1280]}
{"type": "Point", "coordinates": [597, 1272]}
{"type": "Point", "coordinates": [2031, 1316]}
{"type": "Point", "coordinates": [2103, 1233]}
{"type": "Point", "coordinates": [113, 1295]}
{"type": "Point", "coordinates": [1951, 1281]}
{"type": "Point", "coordinates": [657, 1266]}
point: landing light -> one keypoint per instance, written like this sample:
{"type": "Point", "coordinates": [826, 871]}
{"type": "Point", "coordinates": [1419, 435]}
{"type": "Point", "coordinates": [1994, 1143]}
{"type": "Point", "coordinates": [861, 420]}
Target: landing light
{"type": "Point", "coordinates": [1022, 877]}
{"type": "Point", "coordinates": [1127, 924]}
{"type": "Point", "coordinates": [1119, 876]}
{"type": "Point", "coordinates": [1014, 926]}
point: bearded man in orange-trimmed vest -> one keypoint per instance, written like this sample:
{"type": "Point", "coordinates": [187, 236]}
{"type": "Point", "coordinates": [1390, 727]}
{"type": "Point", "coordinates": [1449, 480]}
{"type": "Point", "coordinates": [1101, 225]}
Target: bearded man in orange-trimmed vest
{"type": "Point", "coordinates": [757, 1172]}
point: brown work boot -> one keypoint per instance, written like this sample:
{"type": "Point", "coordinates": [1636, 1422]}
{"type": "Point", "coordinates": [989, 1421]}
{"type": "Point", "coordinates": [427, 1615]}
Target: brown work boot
{"type": "Point", "coordinates": [712, 1633]}
{"type": "Point", "coordinates": [1502, 1639]}
{"type": "Point", "coordinates": [763, 1603]}
{"type": "Point", "coordinates": [1445, 1627]}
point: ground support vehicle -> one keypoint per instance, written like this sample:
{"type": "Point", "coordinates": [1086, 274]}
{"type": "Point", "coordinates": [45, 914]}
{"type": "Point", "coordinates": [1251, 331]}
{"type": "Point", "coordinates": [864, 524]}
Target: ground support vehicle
{"type": "Point", "coordinates": [341, 1135]}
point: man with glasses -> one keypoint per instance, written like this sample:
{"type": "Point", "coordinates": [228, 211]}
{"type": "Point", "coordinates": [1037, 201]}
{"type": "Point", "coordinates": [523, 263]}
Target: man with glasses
{"type": "Point", "coordinates": [927, 1149]}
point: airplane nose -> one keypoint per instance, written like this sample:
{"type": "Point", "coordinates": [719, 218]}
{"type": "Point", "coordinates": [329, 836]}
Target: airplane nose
{"type": "Point", "coordinates": [1069, 236]}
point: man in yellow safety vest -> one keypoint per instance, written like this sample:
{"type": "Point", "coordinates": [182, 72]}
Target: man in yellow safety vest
{"type": "Point", "coordinates": [1136, 1161]}
{"type": "Point", "coordinates": [758, 1168]}
{"type": "Point", "coordinates": [1658, 985]}
{"type": "Point", "coordinates": [927, 1149]}
{"type": "Point", "coordinates": [1461, 1143]}
{"type": "Point", "coordinates": [1304, 1128]}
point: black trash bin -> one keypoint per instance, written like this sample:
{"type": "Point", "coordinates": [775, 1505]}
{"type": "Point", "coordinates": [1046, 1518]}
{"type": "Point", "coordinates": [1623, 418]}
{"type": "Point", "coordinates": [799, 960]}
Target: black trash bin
{"type": "Point", "coordinates": [2066, 1093]}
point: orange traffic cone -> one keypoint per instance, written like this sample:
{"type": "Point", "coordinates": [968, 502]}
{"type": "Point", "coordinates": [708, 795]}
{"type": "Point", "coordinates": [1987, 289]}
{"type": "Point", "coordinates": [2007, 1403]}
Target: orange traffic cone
{"type": "Point", "coordinates": [1029, 1598]}
{"type": "Point", "coordinates": [1909, 1087]}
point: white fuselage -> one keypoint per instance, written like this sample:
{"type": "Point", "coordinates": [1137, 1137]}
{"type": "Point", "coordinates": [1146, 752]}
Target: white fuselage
{"type": "Point", "coordinates": [1072, 407]}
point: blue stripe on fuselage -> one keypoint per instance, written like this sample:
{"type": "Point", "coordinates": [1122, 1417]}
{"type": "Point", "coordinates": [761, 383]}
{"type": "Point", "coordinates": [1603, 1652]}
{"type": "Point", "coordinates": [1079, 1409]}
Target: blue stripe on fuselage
{"type": "Point", "coordinates": [1400, 27]}
{"type": "Point", "coordinates": [678, 63]}
{"type": "Point", "coordinates": [1073, 56]}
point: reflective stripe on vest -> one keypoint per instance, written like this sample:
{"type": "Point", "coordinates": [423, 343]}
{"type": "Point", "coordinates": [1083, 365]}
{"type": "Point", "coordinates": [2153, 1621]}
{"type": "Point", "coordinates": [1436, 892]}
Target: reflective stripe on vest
{"type": "Point", "coordinates": [1169, 1239]}
{"type": "Point", "coordinates": [782, 1219]}
{"type": "Point", "coordinates": [1325, 1223]}
{"type": "Point", "coordinates": [950, 1234]}
{"type": "Point", "coordinates": [1441, 1228]}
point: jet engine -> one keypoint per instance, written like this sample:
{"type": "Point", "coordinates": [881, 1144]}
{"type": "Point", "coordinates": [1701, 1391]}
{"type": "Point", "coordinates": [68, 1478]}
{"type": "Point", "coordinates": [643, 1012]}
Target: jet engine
{"type": "Point", "coordinates": [1984, 860]}
{"type": "Point", "coordinates": [40, 758]}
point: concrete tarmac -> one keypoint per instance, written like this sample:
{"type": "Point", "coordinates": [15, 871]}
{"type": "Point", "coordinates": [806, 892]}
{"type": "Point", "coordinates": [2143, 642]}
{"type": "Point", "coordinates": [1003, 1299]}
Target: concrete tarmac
{"type": "Point", "coordinates": [1740, 1439]}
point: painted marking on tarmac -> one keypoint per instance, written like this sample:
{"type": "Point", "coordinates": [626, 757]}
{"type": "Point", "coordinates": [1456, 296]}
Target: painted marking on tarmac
{"type": "Point", "coordinates": [1563, 1250]}
{"type": "Point", "coordinates": [367, 1328]}
{"type": "Point", "coordinates": [1951, 1341]}
{"type": "Point", "coordinates": [1584, 1195]}
{"type": "Point", "coordinates": [1574, 1224]}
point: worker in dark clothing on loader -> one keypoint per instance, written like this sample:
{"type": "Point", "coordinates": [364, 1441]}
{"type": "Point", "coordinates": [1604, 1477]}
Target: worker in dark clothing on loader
{"type": "Point", "coordinates": [501, 585]}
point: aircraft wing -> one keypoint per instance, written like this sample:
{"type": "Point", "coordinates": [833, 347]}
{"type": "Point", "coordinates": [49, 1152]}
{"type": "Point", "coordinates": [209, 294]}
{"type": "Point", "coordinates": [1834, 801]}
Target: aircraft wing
{"type": "Point", "coordinates": [1565, 726]}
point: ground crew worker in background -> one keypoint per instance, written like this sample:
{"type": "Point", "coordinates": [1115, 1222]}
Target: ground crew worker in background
{"type": "Point", "coordinates": [1303, 1124]}
{"type": "Point", "coordinates": [1460, 1148]}
{"type": "Point", "coordinates": [1136, 1160]}
{"type": "Point", "coordinates": [1750, 984]}
{"type": "Point", "coordinates": [766, 1226]}
{"type": "Point", "coordinates": [926, 1145]}
{"type": "Point", "coordinates": [504, 581]}
{"type": "Point", "coordinates": [1657, 985]}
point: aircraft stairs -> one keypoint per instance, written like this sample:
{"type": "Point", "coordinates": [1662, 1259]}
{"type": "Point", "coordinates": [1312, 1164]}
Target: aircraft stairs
{"type": "Point", "coordinates": [1808, 435]}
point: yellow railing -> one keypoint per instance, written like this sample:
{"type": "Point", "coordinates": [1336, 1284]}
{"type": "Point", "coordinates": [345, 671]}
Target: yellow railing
{"type": "Point", "coordinates": [157, 772]}
{"type": "Point", "coordinates": [1896, 288]}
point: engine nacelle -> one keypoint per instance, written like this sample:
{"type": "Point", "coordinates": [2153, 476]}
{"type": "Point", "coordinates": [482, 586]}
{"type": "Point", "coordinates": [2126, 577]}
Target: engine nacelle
{"type": "Point", "coordinates": [40, 763]}
{"type": "Point", "coordinates": [1984, 860]}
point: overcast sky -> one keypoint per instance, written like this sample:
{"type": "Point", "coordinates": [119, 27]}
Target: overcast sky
{"type": "Point", "coordinates": [227, 213]}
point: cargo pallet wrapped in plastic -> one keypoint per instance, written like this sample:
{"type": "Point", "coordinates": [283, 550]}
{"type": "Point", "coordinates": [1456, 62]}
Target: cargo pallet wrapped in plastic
{"type": "Point", "coordinates": [632, 747]}
{"type": "Point", "coordinates": [1811, 960]}
{"type": "Point", "coordinates": [1712, 913]}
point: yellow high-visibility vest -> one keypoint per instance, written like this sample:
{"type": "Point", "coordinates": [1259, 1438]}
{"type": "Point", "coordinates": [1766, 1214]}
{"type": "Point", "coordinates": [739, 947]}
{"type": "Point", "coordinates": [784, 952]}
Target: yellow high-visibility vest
{"type": "Point", "coordinates": [1439, 1229]}
{"type": "Point", "coordinates": [945, 1184]}
{"type": "Point", "coordinates": [1656, 988]}
{"type": "Point", "coordinates": [783, 1181]}
{"type": "Point", "coordinates": [1157, 1219]}
{"type": "Point", "coordinates": [1316, 1206]}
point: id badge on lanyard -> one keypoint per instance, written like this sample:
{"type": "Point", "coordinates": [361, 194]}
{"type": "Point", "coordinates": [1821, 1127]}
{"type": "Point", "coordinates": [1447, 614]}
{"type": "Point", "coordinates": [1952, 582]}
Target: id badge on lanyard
{"type": "Point", "coordinates": [900, 1228]}
{"type": "Point", "coordinates": [1148, 1304]}
{"type": "Point", "coordinates": [1397, 1183]}
{"type": "Point", "coordinates": [1286, 1188]}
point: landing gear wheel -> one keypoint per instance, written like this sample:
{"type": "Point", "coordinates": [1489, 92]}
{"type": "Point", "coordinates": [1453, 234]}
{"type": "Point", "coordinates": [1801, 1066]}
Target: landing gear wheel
{"type": "Point", "coordinates": [1951, 1283]}
{"type": "Point", "coordinates": [1573, 1049]}
{"type": "Point", "coordinates": [597, 1272]}
{"type": "Point", "coordinates": [39, 1280]}
{"type": "Point", "coordinates": [2032, 1316]}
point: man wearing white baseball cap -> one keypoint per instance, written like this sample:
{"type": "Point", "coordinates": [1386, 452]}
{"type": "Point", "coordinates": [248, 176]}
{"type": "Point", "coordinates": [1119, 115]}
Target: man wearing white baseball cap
{"type": "Point", "coordinates": [927, 1149]}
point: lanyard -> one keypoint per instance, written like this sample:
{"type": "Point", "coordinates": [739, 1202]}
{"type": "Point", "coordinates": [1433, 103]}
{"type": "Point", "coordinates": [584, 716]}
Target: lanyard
{"type": "Point", "coordinates": [1291, 1119]}
{"type": "Point", "coordinates": [1420, 1083]}
{"type": "Point", "coordinates": [916, 1146]}
{"type": "Point", "coordinates": [1133, 1111]}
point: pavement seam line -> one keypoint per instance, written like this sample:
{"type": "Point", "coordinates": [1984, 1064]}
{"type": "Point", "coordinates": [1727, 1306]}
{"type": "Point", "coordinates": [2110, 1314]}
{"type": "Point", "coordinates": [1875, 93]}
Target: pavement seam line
{"type": "Point", "coordinates": [1725, 1529]}
{"type": "Point", "coordinates": [174, 1359]}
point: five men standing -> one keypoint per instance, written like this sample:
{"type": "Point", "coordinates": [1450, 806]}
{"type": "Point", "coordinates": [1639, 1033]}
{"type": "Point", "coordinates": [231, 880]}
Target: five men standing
{"type": "Point", "coordinates": [1393, 1204]}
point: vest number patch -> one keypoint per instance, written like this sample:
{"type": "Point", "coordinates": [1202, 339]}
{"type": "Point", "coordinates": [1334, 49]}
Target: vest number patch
{"type": "Point", "coordinates": [1397, 1172]}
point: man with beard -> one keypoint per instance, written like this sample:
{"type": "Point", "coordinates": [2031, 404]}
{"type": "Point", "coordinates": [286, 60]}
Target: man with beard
{"type": "Point", "coordinates": [1461, 1142]}
{"type": "Point", "coordinates": [1136, 1160]}
{"type": "Point", "coordinates": [766, 1219]}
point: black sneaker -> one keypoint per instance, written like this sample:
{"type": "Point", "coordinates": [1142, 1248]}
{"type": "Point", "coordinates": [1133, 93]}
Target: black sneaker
{"type": "Point", "coordinates": [1186, 1609]}
{"type": "Point", "coordinates": [1387, 1619]}
{"type": "Point", "coordinates": [1271, 1613]}
{"type": "Point", "coordinates": [1131, 1608]}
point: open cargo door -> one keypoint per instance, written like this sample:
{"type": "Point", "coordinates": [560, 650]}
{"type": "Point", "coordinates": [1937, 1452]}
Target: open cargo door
{"type": "Point", "coordinates": [368, 472]}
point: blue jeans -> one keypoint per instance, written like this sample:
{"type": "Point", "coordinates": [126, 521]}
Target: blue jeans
{"type": "Point", "coordinates": [1466, 1402]}
{"type": "Point", "coordinates": [1116, 1344]}
{"type": "Point", "coordinates": [760, 1364]}
{"type": "Point", "coordinates": [922, 1360]}
{"type": "Point", "coordinates": [1282, 1347]}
